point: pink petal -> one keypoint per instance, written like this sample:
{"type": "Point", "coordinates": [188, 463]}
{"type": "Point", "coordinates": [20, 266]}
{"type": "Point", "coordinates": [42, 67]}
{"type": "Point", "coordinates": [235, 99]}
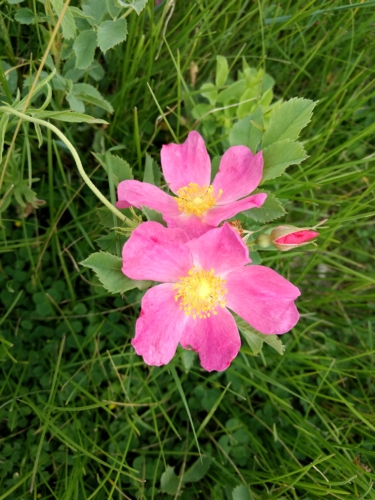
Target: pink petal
{"type": "Point", "coordinates": [185, 163]}
{"type": "Point", "coordinates": [216, 339]}
{"type": "Point", "coordinates": [297, 237]}
{"type": "Point", "coordinates": [159, 327]}
{"type": "Point", "coordinates": [221, 249]}
{"type": "Point", "coordinates": [138, 194]}
{"type": "Point", "coordinates": [222, 212]}
{"type": "Point", "coordinates": [156, 253]}
{"type": "Point", "coordinates": [263, 298]}
{"type": "Point", "coordinates": [240, 172]}
{"type": "Point", "coordinates": [192, 225]}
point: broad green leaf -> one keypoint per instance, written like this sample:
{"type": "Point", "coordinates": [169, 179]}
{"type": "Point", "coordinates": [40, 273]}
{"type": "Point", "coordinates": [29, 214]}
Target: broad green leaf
{"type": "Point", "coordinates": [3, 129]}
{"type": "Point", "coordinates": [68, 24]}
{"type": "Point", "coordinates": [137, 5]}
{"type": "Point", "coordinates": [169, 481]}
{"type": "Point", "coordinates": [241, 492]}
{"type": "Point", "coordinates": [13, 2]}
{"type": "Point", "coordinates": [233, 93]}
{"type": "Point", "coordinates": [120, 168]}
{"type": "Point", "coordinates": [248, 102]}
{"type": "Point", "coordinates": [279, 155]}
{"type": "Point", "coordinates": [111, 33]}
{"type": "Point", "coordinates": [222, 71]}
{"type": "Point", "coordinates": [209, 91]}
{"type": "Point", "coordinates": [248, 131]}
{"type": "Point", "coordinates": [153, 215]}
{"type": "Point", "coordinates": [288, 120]}
{"type": "Point", "coordinates": [113, 9]}
{"type": "Point", "coordinates": [87, 93]}
{"type": "Point", "coordinates": [105, 216]}
{"type": "Point", "coordinates": [107, 267]}
{"type": "Point", "coordinates": [188, 357]}
{"type": "Point", "coordinates": [270, 210]}
{"type": "Point", "coordinates": [84, 47]}
{"type": "Point", "coordinates": [75, 104]}
{"type": "Point", "coordinates": [66, 116]}
{"type": "Point", "coordinates": [256, 339]}
{"type": "Point", "coordinates": [24, 16]}
{"type": "Point", "coordinates": [198, 470]}
{"type": "Point", "coordinates": [96, 71]}
{"type": "Point", "coordinates": [95, 9]}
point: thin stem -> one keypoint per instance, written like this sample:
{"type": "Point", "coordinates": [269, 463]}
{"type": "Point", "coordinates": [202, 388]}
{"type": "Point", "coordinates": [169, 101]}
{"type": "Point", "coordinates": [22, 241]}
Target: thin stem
{"type": "Point", "coordinates": [74, 153]}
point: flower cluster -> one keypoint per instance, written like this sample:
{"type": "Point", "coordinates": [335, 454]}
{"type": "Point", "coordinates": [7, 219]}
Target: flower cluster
{"type": "Point", "coordinates": [202, 266]}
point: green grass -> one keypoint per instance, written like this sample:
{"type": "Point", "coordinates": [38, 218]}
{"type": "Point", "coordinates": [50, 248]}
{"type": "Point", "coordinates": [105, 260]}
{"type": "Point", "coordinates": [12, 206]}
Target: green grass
{"type": "Point", "coordinates": [81, 415]}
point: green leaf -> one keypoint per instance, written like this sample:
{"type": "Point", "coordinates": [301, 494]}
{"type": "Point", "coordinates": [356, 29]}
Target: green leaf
{"type": "Point", "coordinates": [233, 93]}
{"type": "Point", "coordinates": [3, 129]}
{"type": "Point", "coordinates": [241, 492]}
{"type": "Point", "coordinates": [153, 215]}
{"type": "Point", "coordinates": [24, 16]}
{"type": "Point", "coordinates": [209, 91]}
{"type": "Point", "coordinates": [222, 71]}
{"type": "Point", "coordinates": [198, 470]}
{"type": "Point", "coordinates": [84, 47]}
{"type": "Point", "coordinates": [66, 116]}
{"type": "Point", "coordinates": [256, 339]}
{"type": "Point", "coordinates": [113, 9]}
{"type": "Point", "coordinates": [120, 168]}
{"type": "Point", "coordinates": [75, 104]}
{"type": "Point", "coordinates": [287, 120]}
{"type": "Point", "coordinates": [279, 155]}
{"type": "Point", "coordinates": [137, 5]}
{"type": "Point", "coordinates": [107, 267]}
{"type": "Point", "coordinates": [270, 210]}
{"type": "Point", "coordinates": [39, 134]}
{"type": "Point", "coordinates": [95, 9]}
{"type": "Point", "coordinates": [68, 24]}
{"type": "Point", "coordinates": [105, 216]}
{"type": "Point", "coordinates": [13, 2]}
{"type": "Point", "coordinates": [111, 33]}
{"type": "Point", "coordinates": [248, 131]}
{"type": "Point", "coordinates": [248, 102]}
{"type": "Point", "coordinates": [87, 93]}
{"type": "Point", "coordinates": [169, 481]}
{"type": "Point", "coordinates": [148, 175]}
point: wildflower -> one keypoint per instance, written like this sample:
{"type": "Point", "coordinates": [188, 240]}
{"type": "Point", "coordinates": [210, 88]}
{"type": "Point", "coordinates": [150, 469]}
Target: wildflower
{"type": "Point", "coordinates": [200, 280]}
{"type": "Point", "coordinates": [198, 205]}
{"type": "Point", "coordinates": [287, 237]}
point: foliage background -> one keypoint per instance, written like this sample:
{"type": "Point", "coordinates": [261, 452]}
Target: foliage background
{"type": "Point", "coordinates": [81, 416]}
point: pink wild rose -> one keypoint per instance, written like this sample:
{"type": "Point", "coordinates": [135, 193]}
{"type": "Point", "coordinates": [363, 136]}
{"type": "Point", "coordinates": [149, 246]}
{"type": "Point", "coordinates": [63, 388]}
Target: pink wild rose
{"type": "Point", "coordinates": [287, 237]}
{"type": "Point", "coordinates": [200, 280]}
{"type": "Point", "coordinates": [198, 205]}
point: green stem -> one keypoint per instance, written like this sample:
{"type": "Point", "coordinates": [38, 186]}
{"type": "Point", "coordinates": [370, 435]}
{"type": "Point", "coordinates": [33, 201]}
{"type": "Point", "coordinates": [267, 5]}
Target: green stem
{"type": "Point", "coordinates": [74, 153]}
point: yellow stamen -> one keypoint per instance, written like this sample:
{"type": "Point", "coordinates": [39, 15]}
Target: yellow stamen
{"type": "Point", "coordinates": [195, 200]}
{"type": "Point", "coordinates": [200, 293]}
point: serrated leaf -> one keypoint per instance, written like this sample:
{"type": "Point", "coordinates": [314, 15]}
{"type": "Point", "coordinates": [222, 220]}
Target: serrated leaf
{"type": "Point", "coordinates": [67, 116]}
{"type": "Point", "coordinates": [113, 10]}
{"type": "Point", "coordinates": [107, 268]}
{"type": "Point", "coordinates": [256, 339]}
{"type": "Point", "coordinates": [24, 16]}
{"type": "Point", "coordinates": [109, 242]}
{"type": "Point", "coordinates": [3, 129]}
{"type": "Point", "coordinates": [279, 155]}
{"type": "Point", "coordinates": [105, 216]}
{"type": "Point", "coordinates": [287, 120]}
{"type": "Point", "coordinates": [84, 47]}
{"type": "Point", "coordinates": [248, 131]}
{"type": "Point", "coordinates": [169, 481]}
{"type": "Point", "coordinates": [241, 492]}
{"type": "Point", "coordinates": [222, 71]}
{"type": "Point", "coordinates": [75, 104]}
{"type": "Point", "coordinates": [95, 10]}
{"type": "Point", "coordinates": [111, 33]}
{"type": "Point", "coordinates": [120, 168]}
{"type": "Point", "coordinates": [270, 210]}
{"type": "Point", "coordinates": [137, 5]}
{"type": "Point", "coordinates": [87, 93]}
{"type": "Point", "coordinates": [198, 470]}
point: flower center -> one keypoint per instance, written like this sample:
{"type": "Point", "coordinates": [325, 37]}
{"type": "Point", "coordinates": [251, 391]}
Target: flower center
{"type": "Point", "coordinates": [200, 292]}
{"type": "Point", "coordinates": [195, 200]}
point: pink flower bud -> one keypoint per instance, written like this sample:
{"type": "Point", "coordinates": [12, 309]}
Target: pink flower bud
{"type": "Point", "coordinates": [287, 237]}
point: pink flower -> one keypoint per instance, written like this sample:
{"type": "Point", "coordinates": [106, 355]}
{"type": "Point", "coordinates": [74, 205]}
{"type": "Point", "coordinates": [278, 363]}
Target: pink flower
{"type": "Point", "coordinates": [199, 206]}
{"type": "Point", "coordinates": [287, 237]}
{"type": "Point", "coordinates": [200, 280]}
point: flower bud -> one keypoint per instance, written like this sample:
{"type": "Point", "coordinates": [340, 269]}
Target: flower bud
{"type": "Point", "coordinates": [287, 237]}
